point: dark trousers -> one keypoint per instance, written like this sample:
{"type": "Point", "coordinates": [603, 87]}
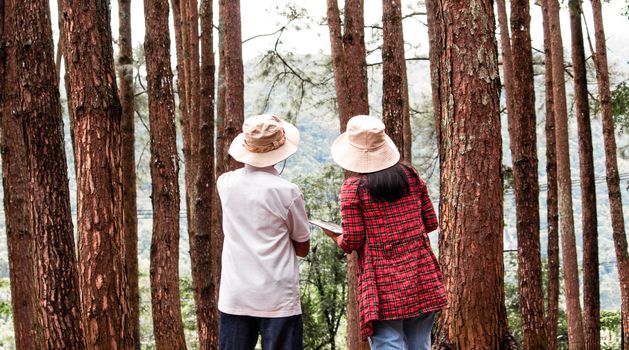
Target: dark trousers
{"type": "Point", "coordinates": [241, 332]}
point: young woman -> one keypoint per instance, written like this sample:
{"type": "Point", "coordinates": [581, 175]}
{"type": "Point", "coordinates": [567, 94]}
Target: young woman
{"type": "Point", "coordinates": [387, 215]}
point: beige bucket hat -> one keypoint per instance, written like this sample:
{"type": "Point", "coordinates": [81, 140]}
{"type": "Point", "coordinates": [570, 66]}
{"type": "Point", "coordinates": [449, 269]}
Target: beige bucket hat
{"type": "Point", "coordinates": [364, 147]}
{"type": "Point", "coordinates": [266, 140]}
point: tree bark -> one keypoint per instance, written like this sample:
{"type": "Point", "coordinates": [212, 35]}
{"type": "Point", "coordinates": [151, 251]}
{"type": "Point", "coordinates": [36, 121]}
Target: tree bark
{"type": "Point", "coordinates": [552, 214]}
{"type": "Point", "coordinates": [611, 165]}
{"type": "Point", "coordinates": [468, 113]}
{"type": "Point", "coordinates": [523, 135]}
{"type": "Point", "coordinates": [591, 294]}
{"type": "Point", "coordinates": [15, 181]}
{"type": "Point", "coordinates": [32, 105]}
{"type": "Point", "coordinates": [130, 216]}
{"type": "Point", "coordinates": [96, 112]}
{"type": "Point", "coordinates": [350, 75]}
{"type": "Point", "coordinates": [395, 111]}
{"type": "Point", "coordinates": [167, 321]}
{"type": "Point", "coordinates": [206, 302]}
{"type": "Point", "coordinates": [566, 220]}
{"type": "Point", "coordinates": [234, 79]}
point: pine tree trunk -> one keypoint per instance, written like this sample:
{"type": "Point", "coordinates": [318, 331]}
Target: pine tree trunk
{"type": "Point", "coordinates": [350, 75]}
{"type": "Point", "coordinates": [32, 105]}
{"type": "Point", "coordinates": [130, 215]}
{"type": "Point", "coordinates": [15, 182]}
{"type": "Point", "coordinates": [207, 312]}
{"type": "Point", "coordinates": [566, 220]}
{"type": "Point", "coordinates": [468, 110]}
{"type": "Point", "coordinates": [167, 321]}
{"type": "Point", "coordinates": [234, 79]}
{"type": "Point", "coordinates": [395, 112]}
{"type": "Point", "coordinates": [523, 135]}
{"type": "Point", "coordinates": [96, 112]}
{"type": "Point", "coordinates": [591, 294]}
{"type": "Point", "coordinates": [611, 165]}
{"type": "Point", "coordinates": [552, 214]}
{"type": "Point", "coordinates": [356, 67]}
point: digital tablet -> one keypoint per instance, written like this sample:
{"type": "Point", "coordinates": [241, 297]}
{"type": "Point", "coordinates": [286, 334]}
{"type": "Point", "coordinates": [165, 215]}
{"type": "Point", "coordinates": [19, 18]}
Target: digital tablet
{"type": "Point", "coordinates": [332, 227]}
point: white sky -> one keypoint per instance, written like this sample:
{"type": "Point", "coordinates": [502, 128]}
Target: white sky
{"type": "Point", "coordinates": [263, 16]}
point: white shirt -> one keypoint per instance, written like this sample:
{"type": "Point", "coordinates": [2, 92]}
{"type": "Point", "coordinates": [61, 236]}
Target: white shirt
{"type": "Point", "coordinates": [262, 213]}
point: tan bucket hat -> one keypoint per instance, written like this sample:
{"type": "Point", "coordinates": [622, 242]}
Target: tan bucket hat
{"type": "Point", "coordinates": [266, 140]}
{"type": "Point", "coordinates": [364, 147]}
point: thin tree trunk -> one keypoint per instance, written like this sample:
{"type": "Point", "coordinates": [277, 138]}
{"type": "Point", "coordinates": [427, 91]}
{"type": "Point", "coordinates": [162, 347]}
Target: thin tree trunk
{"type": "Point", "coordinates": [523, 135]}
{"type": "Point", "coordinates": [611, 165]}
{"type": "Point", "coordinates": [591, 294]}
{"type": "Point", "coordinates": [552, 214]}
{"type": "Point", "coordinates": [350, 74]}
{"type": "Point", "coordinates": [32, 104]}
{"type": "Point", "coordinates": [167, 321]}
{"type": "Point", "coordinates": [15, 182]}
{"type": "Point", "coordinates": [566, 220]}
{"type": "Point", "coordinates": [395, 112]}
{"type": "Point", "coordinates": [356, 67]}
{"type": "Point", "coordinates": [97, 128]}
{"type": "Point", "coordinates": [207, 312]}
{"type": "Point", "coordinates": [234, 79]}
{"type": "Point", "coordinates": [468, 110]}
{"type": "Point", "coordinates": [221, 155]}
{"type": "Point", "coordinates": [130, 217]}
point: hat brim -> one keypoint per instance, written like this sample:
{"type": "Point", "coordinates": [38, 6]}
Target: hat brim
{"type": "Point", "coordinates": [363, 161]}
{"type": "Point", "coordinates": [239, 151]}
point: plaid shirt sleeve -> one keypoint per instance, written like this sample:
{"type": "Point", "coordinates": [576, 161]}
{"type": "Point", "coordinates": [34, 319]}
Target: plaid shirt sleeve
{"type": "Point", "coordinates": [353, 237]}
{"type": "Point", "coordinates": [429, 217]}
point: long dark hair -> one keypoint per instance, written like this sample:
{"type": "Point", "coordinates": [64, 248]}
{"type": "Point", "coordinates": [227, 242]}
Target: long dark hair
{"type": "Point", "coordinates": [387, 185]}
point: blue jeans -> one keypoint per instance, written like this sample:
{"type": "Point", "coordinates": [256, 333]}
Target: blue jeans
{"type": "Point", "coordinates": [241, 332]}
{"type": "Point", "coordinates": [405, 334]}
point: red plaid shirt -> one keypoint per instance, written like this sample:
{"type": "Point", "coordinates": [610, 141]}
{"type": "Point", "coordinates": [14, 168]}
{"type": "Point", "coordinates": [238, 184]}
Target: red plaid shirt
{"type": "Point", "coordinates": [399, 276]}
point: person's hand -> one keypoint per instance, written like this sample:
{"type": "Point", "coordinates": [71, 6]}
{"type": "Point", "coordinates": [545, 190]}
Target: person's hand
{"type": "Point", "coordinates": [335, 237]}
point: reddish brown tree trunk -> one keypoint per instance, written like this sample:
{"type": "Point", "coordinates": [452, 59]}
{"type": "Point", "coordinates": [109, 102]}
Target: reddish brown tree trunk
{"type": "Point", "coordinates": [15, 181]}
{"type": "Point", "coordinates": [551, 193]}
{"type": "Point", "coordinates": [395, 112]}
{"type": "Point", "coordinates": [523, 135]}
{"type": "Point", "coordinates": [350, 75]}
{"type": "Point", "coordinates": [129, 214]}
{"type": "Point", "coordinates": [96, 111]}
{"type": "Point", "coordinates": [611, 165]}
{"type": "Point", "coordinates": [207, 312]}
{"type": "Point", "coordinates": [468, 110]}
{"type": "Point", "coordinates": [591, 294]}
{"type": "Point", "coordinates": [234, 81]}
{"type": "Point", "coordinates": [167, 321]}
{"type": "Point", "coordinates": [566, 220]}
{"type": "Point", "coordinates": [32, 104]}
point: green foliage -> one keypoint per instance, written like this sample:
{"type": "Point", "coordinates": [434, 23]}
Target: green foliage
{"type": "Point", "coordinates": [620, 105]}
{"type": "Point", "coordinates": [610, 330]}
{"type": "Point", "coordinates": [324, 271]}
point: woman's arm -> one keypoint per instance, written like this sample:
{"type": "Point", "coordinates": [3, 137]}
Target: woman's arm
{"type": "Point", "coordinates": [353, 237]}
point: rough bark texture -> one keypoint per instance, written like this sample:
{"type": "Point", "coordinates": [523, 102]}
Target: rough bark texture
{"type": "Point", "coordinates": [350, 75]}
{"type": "Point", "coordinates": [96, 112]}
{"type": "Point", "coordinates": [552, 313]}
{"type": "Point", "coordinates": [468, 113]}
{"type": "Point", "coordinates": [206, 302]}
{"type": "Point", "coordinates": [395, 112]}
{"type": "Point", "coordinates": [566, 220]}
{"type": "Point", "coordinates": [129, 214]}
{"type": "Point", "coordinates": [167, 321]}
{"type": "Point", "coordinates": [611, 165]}
{"type": "Point", "coordinates": [523, 135]}
{"type": "Point", "coordinates": [234, 81]}
{"type": "Point", "coordinates": [31, 106]}
{"type": "Point", "coordinates": [591, 294]}
{"type": "Point", "coordinates": [15, 182]}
